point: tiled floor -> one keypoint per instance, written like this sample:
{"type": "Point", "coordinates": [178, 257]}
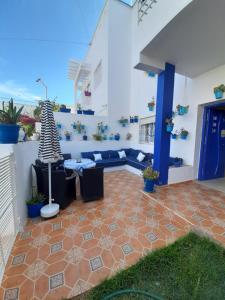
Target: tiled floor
{"type": "Point", "coordinates": [88, 242]}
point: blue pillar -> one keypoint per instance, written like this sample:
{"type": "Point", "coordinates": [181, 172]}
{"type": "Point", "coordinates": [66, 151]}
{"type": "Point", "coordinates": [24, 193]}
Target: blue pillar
{"type": "Point", "coordinates": [164, 109]}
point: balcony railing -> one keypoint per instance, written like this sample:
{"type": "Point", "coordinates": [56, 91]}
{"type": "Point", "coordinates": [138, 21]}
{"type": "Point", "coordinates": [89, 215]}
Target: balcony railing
{"type": "Point", "coordinates": [143, 8]}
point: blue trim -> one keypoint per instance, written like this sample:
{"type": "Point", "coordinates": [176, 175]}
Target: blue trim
{"type": "Point", "coordinates": [164, 109]}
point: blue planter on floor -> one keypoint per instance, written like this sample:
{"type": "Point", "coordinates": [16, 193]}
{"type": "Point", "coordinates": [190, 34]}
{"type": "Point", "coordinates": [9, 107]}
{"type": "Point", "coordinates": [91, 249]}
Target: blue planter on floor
{"type": "Point", "coordinates": [218, 94]}
{"type": "Point", "coordinates": [65, 110]}
{"type": "Point", "coordinates": [9, 133]}
{"type": "Point", "coordinates": [169, 127]}
{"type": "Point", "coordinates": [33, 210]}
{"type": "Point", "coordinates": [149, 185]}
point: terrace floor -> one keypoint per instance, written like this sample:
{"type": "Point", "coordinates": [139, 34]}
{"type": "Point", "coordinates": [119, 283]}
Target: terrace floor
{"type": "Point", "coordinates": [88, 242]}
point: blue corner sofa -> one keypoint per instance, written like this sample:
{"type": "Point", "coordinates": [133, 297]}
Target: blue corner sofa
{"type": "Point", "coordinates": [110, 158]}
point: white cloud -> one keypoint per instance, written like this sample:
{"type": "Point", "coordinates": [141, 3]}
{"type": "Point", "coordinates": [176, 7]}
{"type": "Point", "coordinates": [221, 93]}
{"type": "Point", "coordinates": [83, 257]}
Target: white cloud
{"type": "Point", "coordinates": [11, 89]}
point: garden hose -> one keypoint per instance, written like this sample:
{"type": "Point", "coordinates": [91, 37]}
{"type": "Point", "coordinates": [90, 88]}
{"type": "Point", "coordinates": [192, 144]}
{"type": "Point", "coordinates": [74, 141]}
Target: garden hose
{"type": "Point", "coordinates": [131, 291]}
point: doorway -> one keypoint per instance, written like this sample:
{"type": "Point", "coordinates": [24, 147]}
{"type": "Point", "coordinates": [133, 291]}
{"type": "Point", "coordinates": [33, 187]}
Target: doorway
{"type": "Point", "coordinates": [212, 156]}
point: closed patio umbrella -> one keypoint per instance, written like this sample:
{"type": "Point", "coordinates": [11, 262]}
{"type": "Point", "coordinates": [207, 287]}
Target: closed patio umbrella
{"type": "Point", "coordinates": [49, 152]}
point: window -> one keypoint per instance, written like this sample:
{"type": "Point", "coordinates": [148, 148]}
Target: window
{"type": "Point", "coordinates": [147, 130]}
{"type": "Point", "coordinates": [98, 75]}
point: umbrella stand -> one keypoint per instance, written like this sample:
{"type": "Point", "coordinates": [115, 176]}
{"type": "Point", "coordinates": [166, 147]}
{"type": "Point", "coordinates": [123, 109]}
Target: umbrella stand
{"type": "Point", "coordinates": [51, 209]}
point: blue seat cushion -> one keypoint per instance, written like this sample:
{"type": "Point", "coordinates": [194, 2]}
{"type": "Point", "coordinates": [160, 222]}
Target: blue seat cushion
{"type": "Point", "coordinates": [88, 155]}
{"type": "Point", "coordinates": [111, 162]}
{"type": "Point", "coordinates": [133, 162]}
{"type": "Point", "coordinates": [126, 150]}
{"type": "Point", "coordinates": [113, 154]}
{"type": "Point", "coordinates": [134, 152]}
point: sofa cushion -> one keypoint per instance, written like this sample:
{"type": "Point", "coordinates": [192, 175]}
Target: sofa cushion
{"type": "Point", "coordinates": [122, 154]}
{"type": "Point", "coordinates": [127, 151]}
{"type": "Point", "coordinates": [134, 152]}
{"type": "Point", "coordinates": [113, 154]}
{"type": "Point", "coordinates": [88, 155]}
{"type": "Point", "coordinates": [97, 156]}
{"type": "Point", "coordinates": [111, 162]}
{"type": "Point", "coordinates": [140, 156]}
{"type": "Point", "coordinates": [133, 162]}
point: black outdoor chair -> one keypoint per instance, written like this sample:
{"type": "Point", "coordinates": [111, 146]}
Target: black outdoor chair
{"type": "Point", "coordinates": [92, 184]}
{"type": "Point", "coordinates": [39, 177]}
{"type": "Point", "coordinates": [63, 187]}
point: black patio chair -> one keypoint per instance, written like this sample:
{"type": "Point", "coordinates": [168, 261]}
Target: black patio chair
{"type": "Point", "coordinates": [92, 184]}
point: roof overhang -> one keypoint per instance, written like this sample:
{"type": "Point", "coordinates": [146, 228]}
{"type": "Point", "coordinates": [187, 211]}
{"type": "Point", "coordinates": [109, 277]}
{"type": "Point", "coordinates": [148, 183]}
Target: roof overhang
{"type": "Point", "coordinates": [79, 73]}
{"type": "Point", "coordinates": [194, 41]}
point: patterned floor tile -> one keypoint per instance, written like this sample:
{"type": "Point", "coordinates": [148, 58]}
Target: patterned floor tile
{"type": "Point", "coordinates": [96, 263]}
{"type": "Point", "coordinates": [88, 236]}
{"type": "Point", "coordinates": [11, 294]}
{"type": "Point", "coordinates": [127, 249]}
{"type": "Point", "coordinates": [56, 226]}
{"type": "Point", "coordinates": [56, 247]}
{"type": "Point", "coordinates": [18, 259]}
{"type": "Point", "coordinates": [151, 236]}
{"type": "Point", "coordinates": [56, 280]}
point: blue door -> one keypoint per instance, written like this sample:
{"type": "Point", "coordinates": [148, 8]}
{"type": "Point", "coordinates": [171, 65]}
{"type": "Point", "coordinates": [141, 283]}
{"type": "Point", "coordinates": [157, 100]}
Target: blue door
{"type": "Point", "coordinates": [212, 156]}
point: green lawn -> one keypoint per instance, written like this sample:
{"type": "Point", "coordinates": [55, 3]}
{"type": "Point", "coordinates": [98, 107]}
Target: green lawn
{"type": "Point", "coordinates": [191, 268]}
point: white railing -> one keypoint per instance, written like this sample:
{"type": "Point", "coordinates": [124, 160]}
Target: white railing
{"type": "Point", "coordinates": [143, 8]}
{"type": "Point", "coordinates": [8, 228]}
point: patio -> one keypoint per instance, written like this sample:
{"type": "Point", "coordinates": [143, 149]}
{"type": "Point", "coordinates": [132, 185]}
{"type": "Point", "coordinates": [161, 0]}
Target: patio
{"type": "Point", "coordinates": [88, 242]}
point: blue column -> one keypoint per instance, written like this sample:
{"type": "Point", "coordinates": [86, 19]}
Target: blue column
{"type": "Point", "coordinates": [164, 109]}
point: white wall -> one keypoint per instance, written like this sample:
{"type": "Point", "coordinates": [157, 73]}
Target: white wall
{"type": "Point", "coordinates": [98, 52]}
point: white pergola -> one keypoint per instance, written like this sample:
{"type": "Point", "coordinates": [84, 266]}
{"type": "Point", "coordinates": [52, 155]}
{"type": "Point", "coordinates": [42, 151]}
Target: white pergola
{"type": "Point", "coordinates": [79, 72]}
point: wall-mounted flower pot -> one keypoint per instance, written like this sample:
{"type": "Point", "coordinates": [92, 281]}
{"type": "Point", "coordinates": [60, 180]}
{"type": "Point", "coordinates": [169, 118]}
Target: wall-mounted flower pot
{"type": "Point", "coordinates": [151, 108]}
{"type": "Point", "coordinates": [131, 120]}
{"type": "Point", "coordinates": [173, 136]}
{"type": "Point", "coordinates": [111, 138]}
{"type": "Point", "coordinates": [33, 210]}
{"type": "Point", "coordinates": [169, 127]}
{"type": "Point", "coordinates": [79, 112]}
{"type": "Point", "coordinates": [84, 137]}
{"type": "Point", "coordinates": [74, 126]}
{"type": "Point", "coordinates": [182, 110]}
{"type": "Point", "coordinates": [65, 110]}
{"type": "Point", "coordinates": [104, 137]}
{"type": "Point", "coordinates": [124, 124]}
{"type": "Point", "coordinates": [117, 137]}
{"type": "Point", "coordinates": [59, 126]}
{"type": "Point", "coordinates": [183, 136]}
{"type": "Point", "coordinates": [9, 133]}
{"type": "Point", "coordinates": [68, 137]}
{"type": "Point", "coordinates": [87, 93]}
{"type": "Point", "coordinates": [135, 119]}
{"type": "Point", "coordinates": [88, 112]}
{"type": "Point", "coordinates": [218, 94]}
{"type": "Point", "coordinates": [149, 185]}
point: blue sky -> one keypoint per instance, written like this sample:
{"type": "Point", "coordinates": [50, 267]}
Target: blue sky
{"type": "Point", "coordinates": [25, 55]}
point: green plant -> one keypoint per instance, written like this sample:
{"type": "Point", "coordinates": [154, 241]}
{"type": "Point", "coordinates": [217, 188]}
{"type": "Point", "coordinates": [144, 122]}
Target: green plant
{"type": "Point", "coordinates": [169, 121]}
{"type": "Point", "coordinates": [220, 87]}
{"type": "Point", "coordinates": [183, 132]}
{"type": "Point", "coordinates": [149, 173]}
{"type": "Point", "coordinates": [79, 106]}
{"type": "Point", "coordinates": [97, 137]}
{"type": "Point", "coordinates": [67, 133]}
{"type": "Point", "coordinates": [123, 120]}
{"type": "Point", "coordinates": [36, 199]}
{"type": "Point", "coordinates": [10, 114]}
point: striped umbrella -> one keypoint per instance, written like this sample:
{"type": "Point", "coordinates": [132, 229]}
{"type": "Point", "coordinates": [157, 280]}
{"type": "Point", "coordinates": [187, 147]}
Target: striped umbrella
{"type": "Point", "coordinates": [49, 151]}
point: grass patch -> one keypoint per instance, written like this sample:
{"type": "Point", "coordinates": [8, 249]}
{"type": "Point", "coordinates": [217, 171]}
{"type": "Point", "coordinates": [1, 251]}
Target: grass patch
{"type": "Point", "coordinates": [192, 268]}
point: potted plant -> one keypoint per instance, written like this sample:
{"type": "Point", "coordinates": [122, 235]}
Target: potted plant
{"type": "Point", "coordinates": [111, 137]}
{"type": "Point", "coordinates": [117, 137]}
{"type": "Point", "coordinates": [174, 136]}
{"type": "Point", "coordinates": [183, 134]}
{"type": "Point", "coordinates": [64, 109]}
{"type": "Point", "coordinates": [67, 135]}
{"type": "Point", "coordinates": [128, 136]}
{"type": "Point", "coordinates": [74, 125]}
{"type": "Point", "coordinates": [28, 125]}
{"type": "Point", "coordinates": [151, 104]}
{"type": "Point", "coordinates": [123, 121]}
{"type": "Point", "coordinates": [34, 205]}
{"type": "Point", "coordinates": [131, 120]}
{"type": "Point", "coordinates": [79, 109]}
{"type": "Point", "coordinates": [219, 90]}
{"type": "Point", "coordinates": [58, 125]}
{"type": "Point", "coordinates": [9, 117]}
{"type": "Point", "coordinates": [88, 112]}
{"type": "Point", "coordinates": [84, 136]}
{"type": "Point", "coordinates": [97, 137]}
{"type": "Point", "coordinates": [135, 119]}
{"type": "Point", "coordinates": [149, 176]}
{"type": "Point", "coordinates": [182, 110]}
{"type": "Point", "coordinates": [169, 124]}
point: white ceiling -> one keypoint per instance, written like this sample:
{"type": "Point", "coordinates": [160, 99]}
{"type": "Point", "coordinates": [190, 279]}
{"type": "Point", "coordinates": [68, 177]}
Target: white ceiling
{"type": "Point", "coordinates": [194, 40]}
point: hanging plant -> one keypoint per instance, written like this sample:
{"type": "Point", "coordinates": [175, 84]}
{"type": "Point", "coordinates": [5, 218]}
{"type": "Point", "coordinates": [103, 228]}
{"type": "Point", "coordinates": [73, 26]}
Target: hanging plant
{"type": "Point", "coordinates": [169, 124]}
{"type": "Point", "coordinates": [123, 121]}
{"type": "Point", "coordinates": [182, 110]}
{"type": "Point", "coordinates": [219, 90]}
{"type": "Point", "coordinates": [183, 134]}
{"type": "Point", "coordinates": [87, 93]}
{"type": "Point", "coordinates": [151, 104]}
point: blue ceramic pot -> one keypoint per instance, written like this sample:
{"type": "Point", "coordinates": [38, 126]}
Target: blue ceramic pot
{"type": "Point", "coordinates": [88, 112]}
{"type": "Point", "coordinates": [9, 133]}
{"type": "Point", "coordinates": [84, 137]}
{"type": "Point", "coordinates": [117, 137]}
{"type": "Point", "coordinates": [79, 112]}
{"type": "Point", "coordinates": [33, 210]}
{"type": "Point", "coordinates": [68, 138]}
{"type": "Point", "coordinates": [169, 127]}
{"type": "Point", "coordinates": [149, 185]}
{"type": "Point", "coordinates": [182, 110]}
{"type": "Point", "coordinates": [151, 108]}
{"type": "Point", "coordinates": [65, 110]}
{"type": "Point", "coordinates": [135, 119]}
{"type": "Point", "coordinates": [218, 94]}
{"type": "Point", "coordinates": [183, 136]}
{"type": "Point", "coordinates": [131, 120]}
{"type": "Point", "coordinates": [174, 136]}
